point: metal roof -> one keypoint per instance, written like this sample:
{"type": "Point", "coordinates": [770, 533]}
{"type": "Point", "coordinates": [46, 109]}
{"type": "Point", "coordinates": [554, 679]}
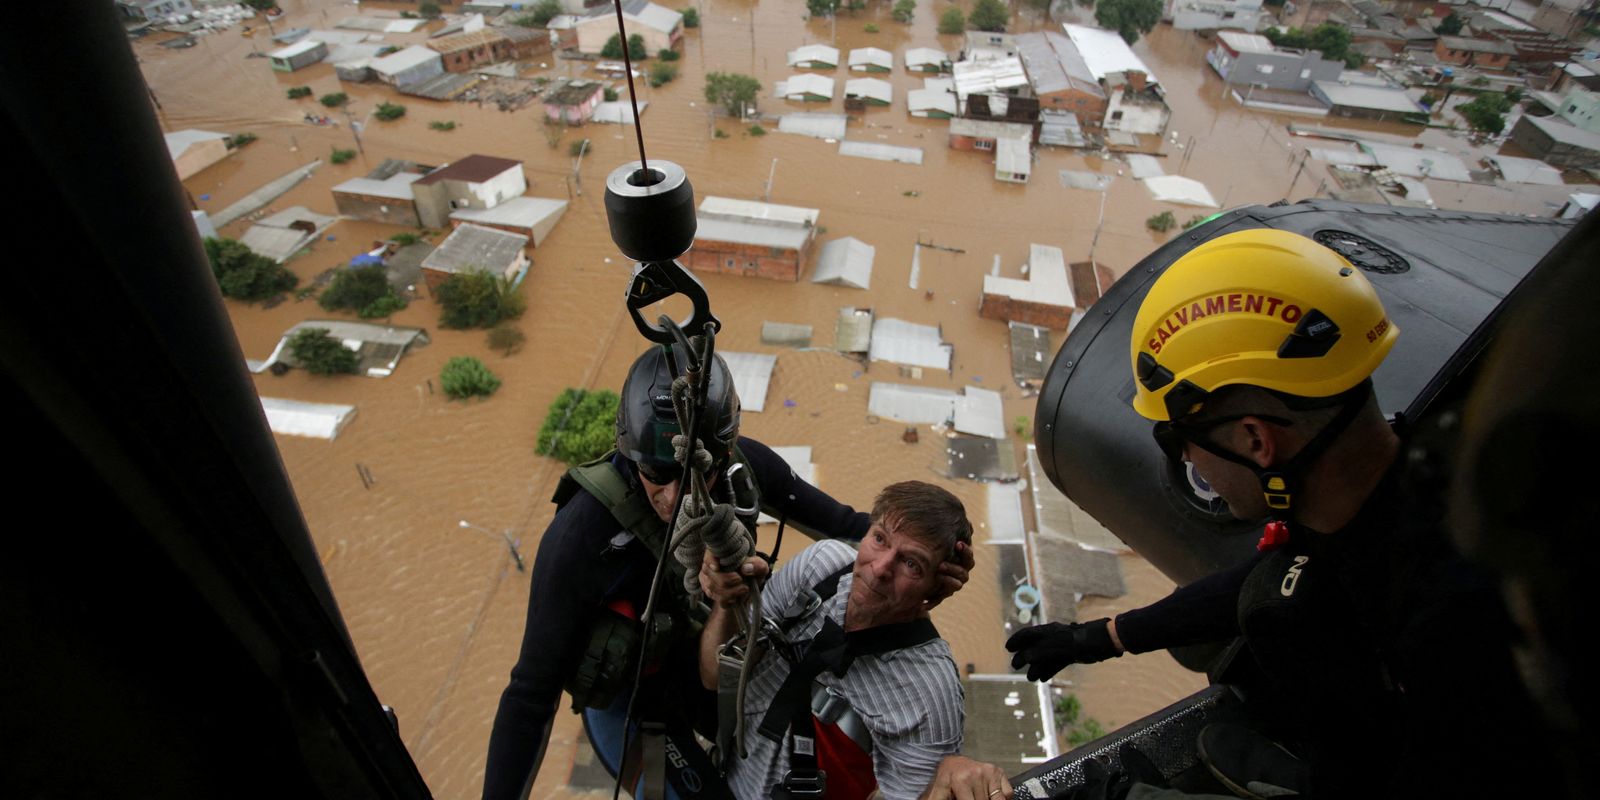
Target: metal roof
{"type": "Point", "coordinates": [905, 342]}
{"type": "Point", "coordinates": [617, 112]}
{"type": "Point", "coordinates": [1105, 52]}
{"type": "Point", "coordinates": [1009, 720]}
{"type": "Point", "coordinates": [1030, 351]}
{"type": "Point", "coordinates": [820, 126]}
{"type": "Point", "coordinates": [396, 63]}
{"type": "Point", "coordinates": [788, 334]}
{"type": "Point", "coordinates": [1061, 518]}
{"type": "Point", "coordinates": [179, 141]}
{"type": "Point", "coordinates": [870, 89]}
{"type": "Point", "coordinates": [469, 40]}
{"type": "Point", "coordinates": [1144, 166]}
{"type": "Point", "coordinates": [473, 248]}
{"type": "Point", "coordinates": [1241, 42]}
{"type": "Point", "coordinates": [1013, 156]}
{"type": "Point", "coordinates": [472, 169]}
{"type": "Point", "coordinates": [1046, 283]}
{"type": "Point", "coordinates": [926, 100]}
{"type": "Point", "coordinates": [643, 12]}
{"type": "Point", "coordinates": [522, 212]}
{"type": "Point", "coordinates": [1181, 190]}
{"type": "Point", "coordinates": [923, 56]}
{"type": "Point", "coordinates": [299, 418]}
{"type": "Point", "coordinates": [868, 57]}
{"type": "Point", "coordinates": [1527, 170]}
{"type": "Point", "coordinates": [799, 86]}
{"type": "Point", "coordinates": [712, 229]}
{"type": "Point", "coordinates": [1055, 65]}
{"type": "Point", "coordinates": [846, 261]}
{"type": "Point", "coordinates": [750, 209]}
{"type": "Point", "coordinates": [1477, 45]}
{"type": "Point", "coordinates": [378, 347]}
{"type": "Point", "coordinates": [397, 187]}
{"type": "Point", "coordinates": [881, 152]}
{"type": "Point", "coordinates": [980, 458]}
{"type": "Point", "coordinates": [814, 53]}
{"type": "Point", "coordinates": [1416, 163]}
{"type": "Point", "coordinates": [752, 376]}
{"type": "Point", "coordinates": [919, 405]}
{"type": "Point", "coordinates": [990, 128]}
{"type": "Point", "coordinates": [982, 77]}
{"type": "Point", "coordinates": [302, 46]}
{"type": "Point", "coordinates": [852, 333]}
{"type": "Point", "coordinates": [980, 413]}
{"type": "Point", "coordinates": [1094, 182]}
{"type": "Point", "coordinates": [1565, 133]}
{"type": "Point", "coordinates": [1005, 513]}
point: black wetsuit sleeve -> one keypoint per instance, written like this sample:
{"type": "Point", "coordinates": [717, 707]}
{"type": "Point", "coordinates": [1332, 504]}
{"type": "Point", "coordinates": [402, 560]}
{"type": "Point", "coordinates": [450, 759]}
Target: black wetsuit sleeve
{"type": "Point", "coordinates": [799, 504]}
{"type": "Point", "coordinates": [1204, 611]}
{"type": "Point", "coordinates": [568, 582]}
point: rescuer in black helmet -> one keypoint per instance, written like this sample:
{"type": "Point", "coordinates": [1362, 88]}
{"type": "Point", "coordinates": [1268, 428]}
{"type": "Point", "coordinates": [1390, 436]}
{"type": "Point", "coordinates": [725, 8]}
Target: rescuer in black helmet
{"type": "Point", "coordinates": [591, 581]}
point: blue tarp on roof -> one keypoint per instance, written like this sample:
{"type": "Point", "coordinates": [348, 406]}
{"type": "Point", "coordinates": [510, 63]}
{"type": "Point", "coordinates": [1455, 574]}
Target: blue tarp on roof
{"type": "Point", "coordinates": [366, 260]}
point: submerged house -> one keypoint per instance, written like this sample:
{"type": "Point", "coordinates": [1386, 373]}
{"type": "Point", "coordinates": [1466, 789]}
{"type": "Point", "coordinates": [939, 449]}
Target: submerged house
{"type": "Point", "coordinates": [474, 182]}
{"type": "Point", "coordinates": [814, 56]}
{"type": "Point", "coordinates": [573, 102]}
{"type": "Point", "coordinates": [744, 237]}
{"type": "Point", "coordinates": [474, 248]}
{"type": "Point", "coordinates": [297, 56]}
{"type": "Point", "coordinates": [1044, 298]}
{"type": "Point", "coordinates": [871, 59]}
{"type": "Point", "coordinates": [867, 92]}
{"type": "Point", "coordinates": [926, 59]}
{"type": "Point", "coordinates": [805, 88]}
{"type": "Point", "coordinates": [193, 150]}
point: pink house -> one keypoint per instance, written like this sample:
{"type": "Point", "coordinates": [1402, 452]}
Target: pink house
{"type": "Point", "coordinates": [573, 102]}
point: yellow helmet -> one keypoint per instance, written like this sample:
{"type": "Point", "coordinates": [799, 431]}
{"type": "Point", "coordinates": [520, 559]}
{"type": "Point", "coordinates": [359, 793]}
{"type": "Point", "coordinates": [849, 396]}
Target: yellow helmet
{"type": "Point", "coordinates": [1265, 308]}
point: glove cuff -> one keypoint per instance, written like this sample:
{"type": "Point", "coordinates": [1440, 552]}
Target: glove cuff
{"type": "Point", "coordinates": [1093, 642]}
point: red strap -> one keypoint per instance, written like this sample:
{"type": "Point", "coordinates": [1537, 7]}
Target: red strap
{"type": "Point", "coordinates": [1273, 536]}
{"type": "Point", "coordinates": [849, 768]}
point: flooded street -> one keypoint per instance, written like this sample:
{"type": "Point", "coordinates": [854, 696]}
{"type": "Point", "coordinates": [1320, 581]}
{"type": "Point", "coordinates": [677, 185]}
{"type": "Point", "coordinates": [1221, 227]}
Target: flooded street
{"type": "Point", "coordinates": [437, 611]}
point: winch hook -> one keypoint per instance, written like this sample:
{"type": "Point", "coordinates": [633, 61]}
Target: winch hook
{"type": "Point", "coordinates": [652, 217]}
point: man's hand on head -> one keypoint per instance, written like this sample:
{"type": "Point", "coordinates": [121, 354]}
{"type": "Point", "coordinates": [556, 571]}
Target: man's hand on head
{"type": "Point", "coordinates": [961, 778]}
{"type": "Point", "coordinates": [953, 575]}
{"type": "Point", "coordinates": [729, 588]}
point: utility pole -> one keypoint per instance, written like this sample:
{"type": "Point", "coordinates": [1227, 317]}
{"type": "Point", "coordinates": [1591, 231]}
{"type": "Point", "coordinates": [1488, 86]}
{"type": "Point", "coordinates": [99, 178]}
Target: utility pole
{"type": "Point", "coordinates": [766, 194]}
{"type": "Point", "coordinates": [1296, 178]}
{"type": "Point", "coordinates": [355, 131]}
{"type": "Point", "coordinates": [1104, 190]}
{"type": "Point", "coordinates": [577, 164]}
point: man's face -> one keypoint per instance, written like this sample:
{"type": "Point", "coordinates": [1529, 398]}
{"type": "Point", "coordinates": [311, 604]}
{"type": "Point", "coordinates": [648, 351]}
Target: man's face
{"type": "Point", "coordinates": [663, 496]}
{"type": "Point", "coordinates": [1237, 486]}
{"type": "Point", "coordinates": [894, 573]}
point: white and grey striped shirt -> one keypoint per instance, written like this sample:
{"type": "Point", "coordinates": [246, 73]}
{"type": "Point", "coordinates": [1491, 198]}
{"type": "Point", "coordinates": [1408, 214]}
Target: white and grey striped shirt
{"type": "Point", "coordinates": [910, 699]}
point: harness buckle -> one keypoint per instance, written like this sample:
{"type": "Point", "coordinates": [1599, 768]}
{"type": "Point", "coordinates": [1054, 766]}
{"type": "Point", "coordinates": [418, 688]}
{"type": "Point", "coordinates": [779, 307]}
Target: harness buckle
{"type": "Point", "coordinates": [804, 783]}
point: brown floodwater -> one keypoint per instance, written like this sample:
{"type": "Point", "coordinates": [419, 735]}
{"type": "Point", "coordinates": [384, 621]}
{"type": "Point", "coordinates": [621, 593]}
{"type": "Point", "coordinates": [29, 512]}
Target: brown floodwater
{"type": "Point", "coordinates": [436, 611]}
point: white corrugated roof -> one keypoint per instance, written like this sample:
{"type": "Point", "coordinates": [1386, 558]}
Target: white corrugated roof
{"type": "Point", "coordinates": [922, 56]}
{"type": "Point", "coordinates": [1105, 52]}
{"type": "Point", "coordinates": [518, 211]}
{"type": "Point", "coordinates": [939, 84]}
{"type": "Point", "coordinates": [299, 418]}
{"type": "Point", "coordinates": [980, 413]}
{"type": "Point", "coordinates": [1419, 163]}
{"type": "Point", "coordinates": [864, 57]}
{"type": "Point", "coordinates": [179, 141]}
{"type": "Point", "coordinates": [870, 89]}
{"type": "Point", "coordinates": [1181, 190]}
{"type": "Point", "coordinates": [1046, 283]}
{"type": "Point", "coordinates": [908, 343]}
{"type": "Point", "coordinates": [1566, 133]}
{"type": "Point", "coordinates": [617, 112]}
{"type": "Point", "coordinates": [1383, 98]}
{"type": "Point", "coordinates": [302, 46]}
{"type": "Point", "coordinates": [814, 53]}
{"type": "Point", "coordinates": [881, 152]}
{"type": "Point", "coordinates": [756, 233]}
{"type": "Point", "coordinates": [1013, 156]}
{"type": "Point", "coordinates": [846, 261]}
{"type": "Point", "coordinates": [1527, 170]}
{"type": "Point", "coordinates": [926, 100]}
{"type": "Point", "coordinates": [752, 376]}
{"type": "Point", "coordinates": [980, 77]}
{"type": "Point", "coordinates": [821, 126]}
{"type": "Point", "coordinates": [772, 212]}
{"type": "Point", "coordinates": [397, 187]}
{"type": "Point", "coordinates": [659, 17]}
{"type": "Point", "coordinates": [1144, 166]}
{"type": "Point", "coordinates": [1004, 501]}
{"type": "Point", "coordinates": [1242, 42]}
{"type": "Point", "coordinates": [797, 87]}
{"type": "Point", "coordinates": [914, 404]}
{"type": "Point", "coordinates": [398, 62]}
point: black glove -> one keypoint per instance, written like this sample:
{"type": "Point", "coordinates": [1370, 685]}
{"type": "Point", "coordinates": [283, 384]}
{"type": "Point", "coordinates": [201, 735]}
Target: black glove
{"type": "Point", "coordinates": [1047, 649]}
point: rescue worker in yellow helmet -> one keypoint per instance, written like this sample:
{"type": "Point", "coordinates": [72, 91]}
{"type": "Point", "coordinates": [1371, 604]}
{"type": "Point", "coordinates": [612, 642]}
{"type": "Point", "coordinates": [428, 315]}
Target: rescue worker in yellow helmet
{"type": "Point", "coordinates": [1365, 632]}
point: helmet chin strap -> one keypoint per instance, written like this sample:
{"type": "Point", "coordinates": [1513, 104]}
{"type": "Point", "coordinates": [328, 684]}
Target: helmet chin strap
{"type": "Point", "coordinates": [1280, 484]}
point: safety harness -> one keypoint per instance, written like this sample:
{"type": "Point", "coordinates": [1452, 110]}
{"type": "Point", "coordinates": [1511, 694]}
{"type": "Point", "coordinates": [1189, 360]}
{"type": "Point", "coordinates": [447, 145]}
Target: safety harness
{"type": "Point", "coordinates": [801, 702]}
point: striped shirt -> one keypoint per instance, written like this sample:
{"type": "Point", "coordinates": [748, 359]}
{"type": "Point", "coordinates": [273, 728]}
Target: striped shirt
{"type": "Point", "coordinates": [909, 699]}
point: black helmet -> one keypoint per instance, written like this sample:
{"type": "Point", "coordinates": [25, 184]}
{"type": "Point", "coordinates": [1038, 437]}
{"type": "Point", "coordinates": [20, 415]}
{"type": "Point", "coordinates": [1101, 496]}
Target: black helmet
{"type": "Point", "coordinates": [646, 421]}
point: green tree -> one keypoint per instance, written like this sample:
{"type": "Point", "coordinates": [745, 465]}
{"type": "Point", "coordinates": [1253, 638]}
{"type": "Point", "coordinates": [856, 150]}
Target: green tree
{"type": "Point", "coordinates": [1163, 222]}
{"type": "Point", "coordinates": [262, 5]}
{"type": "Point", "coordinates": [636, 47]}
{"type": "Point", "coordinates": [354, 288]}
{"type": "Point", "coordinates": [389, 111]}
{"type": "Point", "coordinates": [1450, 25]}
{"type": "Point", "coordinates": [321, 354]}
{"type": "Point", "coordinates": [297, 92]}
{"type": "Point", "coordinates": [442, 125]}
{"type": "Point", "coordinates": [734, 92]}
{"type": "Point", "coordinates": [952, 21]}
{"type": "Point", "coordinates": [871, 27]}
{"type": "Point", "coordinates": [477, 300]}
{"type": "Point", "coordinates": [1129, 18]}
{"type": "Point", "coordinates": [465, 376]}
{"type": "Point", "coordinates": [691, 18]}
{"type": "Point", "coordinates": [1329, 39]}
{"type": "Point", "coordinates": [506, 338]}
{"type": "Point", "coordinates": [383, 307]}
{"type": "Point", "coordinates": [580, 426]}
{"type": "Point", "coordinates": [1486, 112]}
{"type": "Point", "coordinates": [668, 54]}
{"type": "Point", "coordinates": [662, 73]}
{"type": "Point", "coordinates": [244, 275]}
{"type": "Point", "coordinates": [335, 99]}
{"type": "Point", "coordinates": [340, 156]}
{"type": "Point", "coordinates": [428, 10]}
{"type": "Point", "coordinates": [543, 12]}
{"type": "Point", "coordinates": [822, 8]}
{"type": "Point", "coordinates": [904, 10]}
{"type": "Point", "coordinates": [990, 15]}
